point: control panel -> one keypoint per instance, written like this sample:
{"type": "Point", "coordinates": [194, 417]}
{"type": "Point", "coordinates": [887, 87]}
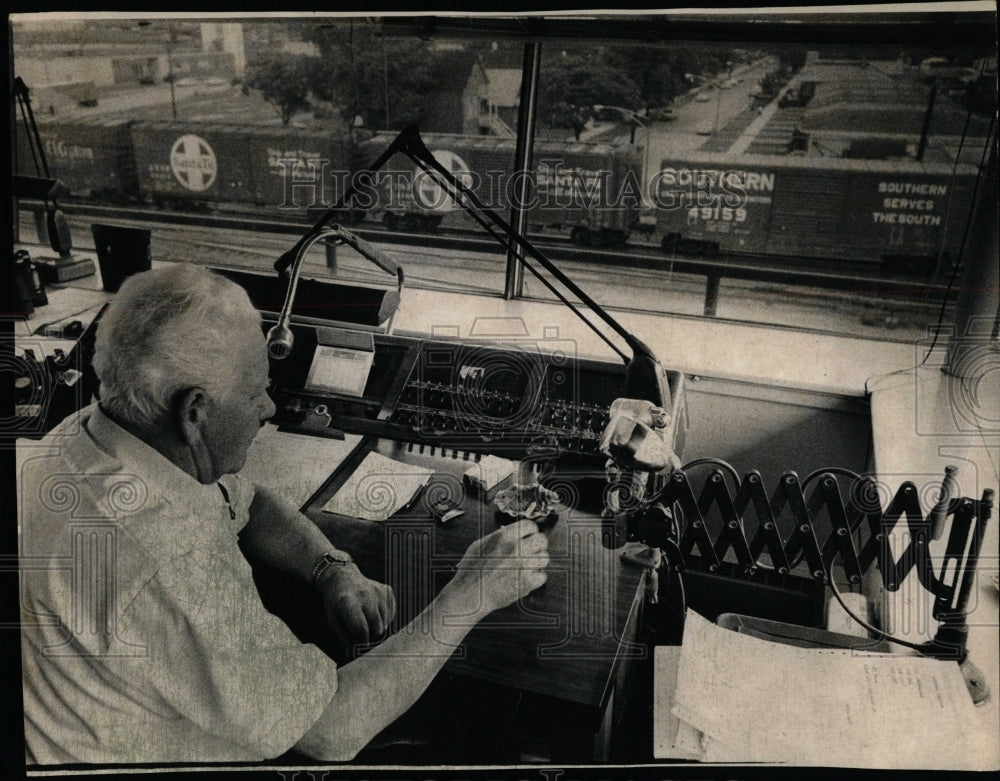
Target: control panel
{"type": "Point", "coordinates": [515, 398]}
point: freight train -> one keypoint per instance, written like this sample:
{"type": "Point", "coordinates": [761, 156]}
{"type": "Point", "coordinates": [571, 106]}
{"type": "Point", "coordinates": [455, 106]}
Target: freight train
{"type": "Point", "coordinates": [905, 215]}
{"type": "Point", "coordinates": [203, 165]}
{"type": "Point", "coordinates": [592, 191]}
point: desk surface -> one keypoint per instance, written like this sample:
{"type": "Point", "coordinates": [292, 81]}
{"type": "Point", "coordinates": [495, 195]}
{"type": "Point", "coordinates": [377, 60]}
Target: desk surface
{"type": "Point", "coordinates": [922, 421]}
{"type": "Point", "coordinates": [78, 299]}
{"type": "Point", "coordinates": [564, 641]}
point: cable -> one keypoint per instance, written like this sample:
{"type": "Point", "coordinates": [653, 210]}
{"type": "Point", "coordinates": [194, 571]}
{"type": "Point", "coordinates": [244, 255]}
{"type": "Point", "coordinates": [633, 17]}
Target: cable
{"type": "Point", "coordinates": [678, 574]}
{"type": "Point", "coordinates": [700, 462]}
{"type": "Point", "coordinates": [961, 252]}
{"type": "Point", "coordinates": [354, 74]}
{"type": "Point", "coordinates": [954, 168]}
{"type": "Point", "coordinates": [385, 80]}
{"type": "Point", "coordinates": [882, 635]}
{"type": "Point", "coordinates": [675, 573]}
{"type": "Point", "coordinates": [965, 236]}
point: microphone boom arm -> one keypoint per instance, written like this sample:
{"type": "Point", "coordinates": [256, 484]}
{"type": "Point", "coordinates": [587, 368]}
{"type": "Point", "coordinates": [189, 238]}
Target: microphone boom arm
{"type": "Point", "coordinates": [644, 375]}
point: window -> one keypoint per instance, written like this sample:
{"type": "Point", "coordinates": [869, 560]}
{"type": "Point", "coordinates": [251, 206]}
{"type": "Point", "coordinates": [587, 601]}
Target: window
{"type": "Point", "coordinates": [820, 181]}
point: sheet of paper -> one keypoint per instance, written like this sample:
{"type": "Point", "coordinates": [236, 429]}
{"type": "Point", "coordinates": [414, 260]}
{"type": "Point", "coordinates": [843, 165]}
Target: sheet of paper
{"type": "Point", "coordinates": [759, 701]}
{"type": "Point", "coordinates": [294, 465]}
{"type": "Point", "coordinates": [672, 738]}
{"type": "Point", "coordinates": [340, 370]}
{"type": "Point", "coordinates": [379, 487]}
{"type": "Point", "coordinates": [489, 471]}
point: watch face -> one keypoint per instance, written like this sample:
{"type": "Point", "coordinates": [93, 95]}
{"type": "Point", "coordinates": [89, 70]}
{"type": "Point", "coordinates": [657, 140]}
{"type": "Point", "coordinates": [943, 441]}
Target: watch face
{"type": "Point", "coordinates": [339, 556]}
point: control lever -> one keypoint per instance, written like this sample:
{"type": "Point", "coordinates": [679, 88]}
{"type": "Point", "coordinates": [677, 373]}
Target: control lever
{"type": "Point", "coordinates": [939, 513]}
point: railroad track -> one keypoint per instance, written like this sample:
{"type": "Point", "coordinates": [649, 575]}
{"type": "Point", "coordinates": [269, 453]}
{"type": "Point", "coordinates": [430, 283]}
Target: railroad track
{"type": "Point", "coordinates": [862, 279]}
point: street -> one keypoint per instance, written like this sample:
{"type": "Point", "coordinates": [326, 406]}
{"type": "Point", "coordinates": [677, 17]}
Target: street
{"type": "Point", "coordinates": [696, 122]}
{"type": "Point", "coordinates": [199, 101]}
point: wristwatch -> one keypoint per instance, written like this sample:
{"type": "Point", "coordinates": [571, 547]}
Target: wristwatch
{"type": "Point", "coordinates": [326, 560]}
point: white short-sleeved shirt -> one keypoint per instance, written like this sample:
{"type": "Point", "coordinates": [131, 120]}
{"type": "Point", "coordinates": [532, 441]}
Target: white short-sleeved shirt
{"type": "Point", "coordinates": [143, 636]}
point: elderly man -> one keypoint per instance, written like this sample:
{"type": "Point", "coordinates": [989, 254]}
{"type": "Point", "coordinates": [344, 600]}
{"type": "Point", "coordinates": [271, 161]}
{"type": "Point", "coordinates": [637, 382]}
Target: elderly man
{"type": "Point", "coordinates": [144, 639]}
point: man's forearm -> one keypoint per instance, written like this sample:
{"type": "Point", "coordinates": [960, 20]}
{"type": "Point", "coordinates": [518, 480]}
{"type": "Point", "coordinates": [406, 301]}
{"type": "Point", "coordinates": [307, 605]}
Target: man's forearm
{"type": "Point", "coordinates": [357, 609]}
{"type": "Point", "coordinates": [495, 571]}
{"type": "Point", "coordinates": [380, 686]}
{"type": "Point", "coordinates": [283, 537]}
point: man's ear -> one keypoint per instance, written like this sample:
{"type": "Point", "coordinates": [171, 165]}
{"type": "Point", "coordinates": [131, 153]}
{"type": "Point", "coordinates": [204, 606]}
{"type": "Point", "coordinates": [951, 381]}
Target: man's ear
{"type": "Point", "coordinates": [190, 411]}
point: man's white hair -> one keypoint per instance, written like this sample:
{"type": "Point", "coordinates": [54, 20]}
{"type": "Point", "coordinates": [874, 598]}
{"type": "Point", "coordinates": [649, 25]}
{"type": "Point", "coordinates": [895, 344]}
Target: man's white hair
{"type": "Point", "coordinates": [167, 330]}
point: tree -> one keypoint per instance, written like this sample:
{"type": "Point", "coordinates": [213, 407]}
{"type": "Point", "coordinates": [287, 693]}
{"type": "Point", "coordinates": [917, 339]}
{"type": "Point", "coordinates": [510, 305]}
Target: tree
{"type": "Point", "coordinates": [283, 80]}
{"type": "Point", "coordinates": [582, 78]}
{"type": "Point", "coordinates": [623, 75]}
{"type": "Point", "coordinates": [384, 80]}
{"type": "Point", "coordinates": [772, 82]}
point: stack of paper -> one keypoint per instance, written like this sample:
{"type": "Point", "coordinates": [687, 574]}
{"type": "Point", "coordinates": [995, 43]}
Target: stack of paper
{"type": "Point", "coordinates": [339, 370]}
{"type": "Point", "coordinates": [742, 699]}
{"type": "Point", "coordinates": [378, 488]}
{"type": "Point", "coordinates": [294, 465]}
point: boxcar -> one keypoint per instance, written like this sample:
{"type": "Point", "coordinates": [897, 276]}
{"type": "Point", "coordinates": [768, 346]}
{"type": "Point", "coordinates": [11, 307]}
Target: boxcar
{"type": "Point", "coordinates": [194, 163]}
{"type": "Point", "coordinates": [835, 208]}
{"type": "Point", "coordinates": [591, 190]}
{"type": "Point", "coordinates": [298, 169]}
{"type": "Point", "coordinates": [93, 157]}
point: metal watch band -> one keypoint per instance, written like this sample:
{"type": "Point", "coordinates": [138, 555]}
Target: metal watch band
{"type": "Point", "coordinates": [326, 560]}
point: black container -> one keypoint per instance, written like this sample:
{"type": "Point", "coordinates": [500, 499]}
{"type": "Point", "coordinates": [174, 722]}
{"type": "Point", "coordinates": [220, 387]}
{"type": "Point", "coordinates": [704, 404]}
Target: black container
{"type": "Point", "coordinates": [121, 252]}
{"type": "Point", "coordinates": [28, 288]}
{"type": "Point", "coordinates": [22, 296]}
{"type": "Point", "coordinates": [24, 265]}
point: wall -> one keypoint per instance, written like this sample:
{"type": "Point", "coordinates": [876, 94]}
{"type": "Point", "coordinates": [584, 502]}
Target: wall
{"type": "Point", "coordinates": [775, 430]}
{"type": "Point", "coordinates": [57, 70]}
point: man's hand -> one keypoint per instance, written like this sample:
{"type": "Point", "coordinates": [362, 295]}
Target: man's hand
{"type": "Point", "coordinates": [358, 610]}
{"type": "Point", "coordinates": [503, 566]}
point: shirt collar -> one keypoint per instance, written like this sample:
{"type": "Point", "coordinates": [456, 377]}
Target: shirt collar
{"type": "Point", "coordinates": [161, 475]}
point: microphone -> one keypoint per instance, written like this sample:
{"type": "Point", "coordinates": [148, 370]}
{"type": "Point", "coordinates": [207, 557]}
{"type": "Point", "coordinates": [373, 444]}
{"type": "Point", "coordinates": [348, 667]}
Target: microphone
{"type": "Point", "coordinates": [280, 338]}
